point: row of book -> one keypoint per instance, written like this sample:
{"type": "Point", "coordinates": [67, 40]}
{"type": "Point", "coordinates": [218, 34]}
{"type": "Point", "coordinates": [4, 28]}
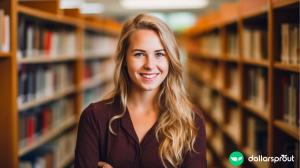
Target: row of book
{"type": "Point", "coordinates": [290, 99]}
{"type": "Point", "coordinates": [210, 44]}
{"type": "Point", "coordinates": [257, 90]}
{"type": "Point", "coordinates": [290, 47]}
{"type": "Point", "coordinates": [257, 135]}
{"type": "Point", "coordinates": [56, 154]}
{"type": "Point", "coordinates": [207, 71]}
{"type": "Point", "coordinates": [96, 44]}
{"type": "Point", "coordinates": [255, 44]}
{"type": "Point", "coordinates": [233, 125]}
{"type": "Point", "coordinates": [232, 45]}
{"type": "Point", "coordinates": [42, 39]}
{"type": "Point", "coordinates": [4, 31]}
{"type": "Point", "coordinates": [36, 122]}
{"type": "Point", "coordinates": [39, 81]}
{"type": "Point", "coordinates": [233, 81]}
{"type": "Point", "coordinates": [93, 69]}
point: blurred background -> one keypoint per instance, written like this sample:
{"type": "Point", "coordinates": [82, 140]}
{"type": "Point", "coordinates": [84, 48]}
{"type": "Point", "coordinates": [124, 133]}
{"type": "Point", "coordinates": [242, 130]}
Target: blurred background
{"type": "Point", "coordinates": [241, 68]}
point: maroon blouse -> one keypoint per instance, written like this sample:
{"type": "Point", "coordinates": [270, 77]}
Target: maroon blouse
{"type": "Point", "coordinates": [95, 142]}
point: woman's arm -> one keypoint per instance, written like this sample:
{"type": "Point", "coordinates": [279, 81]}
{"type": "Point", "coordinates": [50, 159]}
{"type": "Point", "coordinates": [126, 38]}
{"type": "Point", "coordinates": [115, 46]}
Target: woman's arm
{"type": "Point", "coordinates": [87, 145]}
{"type": "Point", "coordinates": [197, 159]}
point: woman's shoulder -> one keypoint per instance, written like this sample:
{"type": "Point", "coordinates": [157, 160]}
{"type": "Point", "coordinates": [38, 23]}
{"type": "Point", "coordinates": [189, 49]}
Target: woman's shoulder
{"type": "Point", "coordinates": [199, 118]}
{"type": "Point", "coordinates": [100, 110]}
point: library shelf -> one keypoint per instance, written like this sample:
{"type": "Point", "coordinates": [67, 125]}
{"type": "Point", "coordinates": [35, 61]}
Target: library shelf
{"type": "Point", "coordinates": [249, 152]}
{"type": "Point", "coordinates": [226, 163]}
{"type": "Point", "coordinates": [265, 15]}
{"type": "Point", "coordinates": [256, 110]}
{"type": "Point", "coordinates": [231, 59]}
{"type": "Point", "coordinates": [4, 54]}
{"type": "Point", "coordinates": [44, 59]}
{"type": "Point", "coordinates": [283, 3]}
{"type": "Point", "coordinates": [59, 94]}
{"type": "Point", "coordinates": [97, 57]}
{"type": "Point", "coordinates": [48, 16]}
{"type": "Point", "coordinates": [210, 56]}
{"type": "Point", "coordinates": [231, 96]}
{"type": "Point", "coordinates": [233, 135]}
{"type": "Point", "coordinates": [251, 9]}
{"type": "Point", "coordinates": [288, 129]}
{"type": "Point", "coordinates": [261, 63]}
{"type": "Point", "coordinates": [96, 26]}
{"type": "Point", "coordinates": [287, 67]}
{"type": "Point", "coordinates": [67, 123]}
{"type": "Point", "coordinates": [217, 149]}
{"type": "Point", "coordinates": [96, 81]}
{"type": "Point", "coordinates": [66, 160]}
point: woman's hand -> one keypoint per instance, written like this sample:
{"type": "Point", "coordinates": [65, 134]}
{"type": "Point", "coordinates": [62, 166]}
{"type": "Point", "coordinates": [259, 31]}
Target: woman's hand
{"type": "Point", "coordinates": [104, 165]}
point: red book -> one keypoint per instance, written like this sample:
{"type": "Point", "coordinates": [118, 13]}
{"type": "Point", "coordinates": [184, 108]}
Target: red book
{"type": "Point", "coordinates": [48, 38]}
{"type": "Point", "coordinates": [30, 129]}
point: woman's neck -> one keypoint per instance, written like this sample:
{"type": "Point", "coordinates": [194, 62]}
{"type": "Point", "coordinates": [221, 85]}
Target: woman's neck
{"type": "Point", "coordinates": [142, 101]}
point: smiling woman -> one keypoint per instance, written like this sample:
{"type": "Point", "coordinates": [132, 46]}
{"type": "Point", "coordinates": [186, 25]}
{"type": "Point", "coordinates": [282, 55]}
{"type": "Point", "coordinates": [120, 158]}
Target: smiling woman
{"type": "Point", "coordinates": [148, 121]}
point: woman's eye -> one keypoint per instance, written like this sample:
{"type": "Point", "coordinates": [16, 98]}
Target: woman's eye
{"type": "Point", "coordinates": [160, 54]}
{"type": "Point", "coordinates": [138, 54]}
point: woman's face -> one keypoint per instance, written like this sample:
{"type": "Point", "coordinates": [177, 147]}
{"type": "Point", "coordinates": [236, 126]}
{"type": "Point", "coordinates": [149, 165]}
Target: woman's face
{"type": "Point", "coordinates": [147, 62]}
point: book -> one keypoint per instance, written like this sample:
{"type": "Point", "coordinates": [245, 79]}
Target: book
{"type": "Point", "coordinates": [40, 81]}
{"type": "Point", "coordinates": [43, 39]}
{"type": "Point", "coordinates": [255, 44]}
{"type": "Point", "coordinates": [4, 31]}
{"type": "Point", "coordinates": [38, 121]}
{"type": "Point", "coordinates": [289, 86]}
{"type": "Point", "coordinates": [53, 154]}
{"type": "Point", "coordinates": [290, 44]}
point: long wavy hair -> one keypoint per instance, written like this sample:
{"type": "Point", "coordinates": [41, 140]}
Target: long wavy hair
{"type": "Point", "coordinates": [176, 130]}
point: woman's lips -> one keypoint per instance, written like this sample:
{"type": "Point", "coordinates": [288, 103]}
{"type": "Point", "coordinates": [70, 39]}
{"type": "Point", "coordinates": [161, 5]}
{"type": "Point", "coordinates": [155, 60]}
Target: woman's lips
{"type": "Point", "coordinates": [149, 76]}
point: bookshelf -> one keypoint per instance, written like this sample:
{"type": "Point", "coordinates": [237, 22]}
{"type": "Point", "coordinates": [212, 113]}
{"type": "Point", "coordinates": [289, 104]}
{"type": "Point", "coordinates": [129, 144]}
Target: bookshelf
{"type": "Point", "coordinates": [258, 93]}
{"type": "Point", "coordinates": [44, 81]}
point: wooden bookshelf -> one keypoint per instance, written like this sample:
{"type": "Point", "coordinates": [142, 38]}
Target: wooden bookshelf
{"type": "Point", "coordinates": [48, 136]}
{"type": "Point", "coordinates": [48, 16]}
{"type": "Point", "coordinates": [263, 114]}
{"type": "Point", "coordinates": [52, 19]}
{"type": "Point", "coordinates": [261, 63]}
{"type": "Point", "coordinates": [282, 3]}
{"type": "Point", "coordinates": [4, 54]}
{"type": "Point", "coordinates": [287, 67]}
{"type": "Point", "coordinates": [266, 16]}
{"type": "Point", "coordinates": [288, 129]}
{"type": "Point", "coordinates": [99, 57]}
{"type": "Point", "coordinates": [54, 96]}
{"type": "Point", "coordinates": [43, 59]}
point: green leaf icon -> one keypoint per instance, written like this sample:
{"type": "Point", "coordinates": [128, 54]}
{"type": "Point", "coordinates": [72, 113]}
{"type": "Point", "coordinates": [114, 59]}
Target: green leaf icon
{"type": "Point", "coordinates": [236, 158]}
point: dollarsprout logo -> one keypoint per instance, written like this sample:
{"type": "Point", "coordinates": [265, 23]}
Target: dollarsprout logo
{"type": "Point", "coordinates": [236, 158]}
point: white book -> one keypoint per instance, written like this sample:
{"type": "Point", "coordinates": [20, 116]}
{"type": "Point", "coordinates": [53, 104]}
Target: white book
{"type": "Point", "coordinates": [6, 42]}
{"type": "Point", "coordinates": [29, 42]}
{"type": "Point", "coordinates": [285, 43]}
{"type": "Point", "coordinates": [1, 28]}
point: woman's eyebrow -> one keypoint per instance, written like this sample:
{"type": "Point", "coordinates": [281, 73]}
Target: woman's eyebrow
{"type": "Point", "coordinates": [159, 50]}
{"type": "Point", "coordinates": [140, 50]}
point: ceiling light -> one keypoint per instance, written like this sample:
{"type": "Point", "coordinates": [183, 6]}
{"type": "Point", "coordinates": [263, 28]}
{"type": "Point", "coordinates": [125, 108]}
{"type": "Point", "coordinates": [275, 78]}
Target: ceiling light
{"type": "Point", "coordinates": [164, 4]}
{"type": "Point", "coordinates": [91, 8]}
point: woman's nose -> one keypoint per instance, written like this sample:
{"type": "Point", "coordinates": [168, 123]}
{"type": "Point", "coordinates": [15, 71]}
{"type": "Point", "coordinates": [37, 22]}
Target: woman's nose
{"type": "Point", "coordinates": [149, 62]}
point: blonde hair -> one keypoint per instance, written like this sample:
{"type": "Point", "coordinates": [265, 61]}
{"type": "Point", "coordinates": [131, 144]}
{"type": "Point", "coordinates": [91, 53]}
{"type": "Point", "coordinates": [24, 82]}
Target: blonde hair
{"type": "Point", "coordinates": [176, 130]}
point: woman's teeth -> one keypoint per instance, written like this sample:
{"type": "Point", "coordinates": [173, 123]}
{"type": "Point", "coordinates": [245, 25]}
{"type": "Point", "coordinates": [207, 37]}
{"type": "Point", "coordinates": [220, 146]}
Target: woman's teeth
{"type": "Point", "coordinates": [149, 76]}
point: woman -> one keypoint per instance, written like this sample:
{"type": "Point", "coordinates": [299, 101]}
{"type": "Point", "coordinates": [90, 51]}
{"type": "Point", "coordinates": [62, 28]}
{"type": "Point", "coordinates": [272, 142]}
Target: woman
{"type": "Point", "coordinates": [148, 122]}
